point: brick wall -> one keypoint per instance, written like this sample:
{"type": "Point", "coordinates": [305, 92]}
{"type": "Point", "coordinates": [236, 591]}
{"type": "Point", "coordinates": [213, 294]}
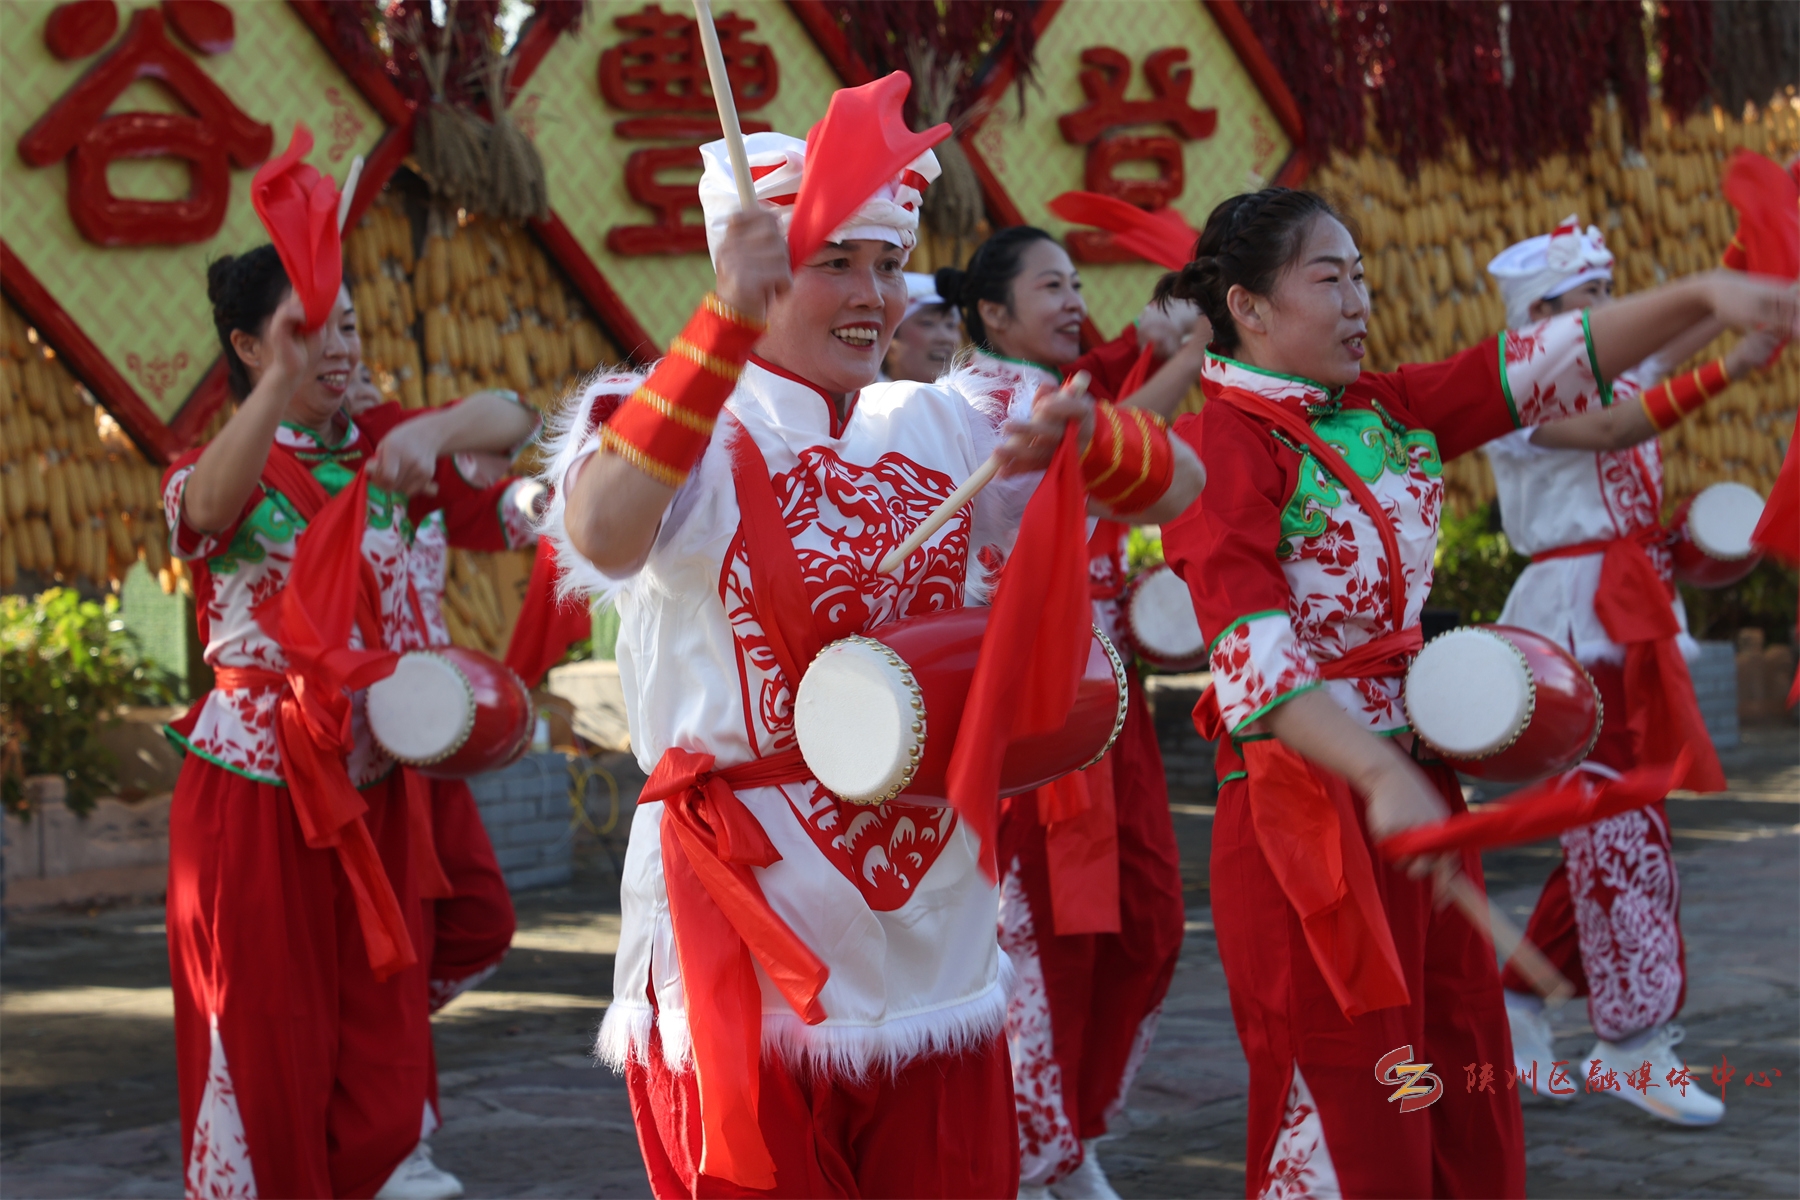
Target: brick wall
{"type": "Point", "coordinates": [526, 810]}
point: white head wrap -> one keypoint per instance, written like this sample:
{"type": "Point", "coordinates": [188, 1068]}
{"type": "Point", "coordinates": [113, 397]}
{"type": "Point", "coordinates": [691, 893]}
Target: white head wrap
{"type": "Point", "coordinates": [1548, 266]}
{"type": "Point", "coordinates": [921, 292]}
{"type": "Point", "coordinates": [776, 162]}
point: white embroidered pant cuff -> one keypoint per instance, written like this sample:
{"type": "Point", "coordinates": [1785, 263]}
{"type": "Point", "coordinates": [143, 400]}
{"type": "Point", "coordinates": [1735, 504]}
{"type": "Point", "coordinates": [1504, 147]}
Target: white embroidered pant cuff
{"type": "Point", "coordinates": [1086, 1182]}
{"type": "Point", "coordinates": [1533, 1043]}
{"type": "Point", "coordinates": [418, 1178]}
{"type": "Point", "coordinates": [1662, 1097]}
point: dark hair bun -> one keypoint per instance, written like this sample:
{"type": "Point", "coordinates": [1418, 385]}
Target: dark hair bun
{"type": "Point", "coordinates": [245, 290]}
{"type": "Point", "coordinates": [949, 282]}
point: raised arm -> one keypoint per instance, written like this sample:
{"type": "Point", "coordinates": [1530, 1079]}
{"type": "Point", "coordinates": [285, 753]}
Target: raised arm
{"type": "Point", "coordinates": [1628, 331]}
{"type": "Point", "coordinates": [492, 422]}
{"type": "Point", "coordinates": [226, 474]}
{"type": "Point", "coordinates": [615, 500]}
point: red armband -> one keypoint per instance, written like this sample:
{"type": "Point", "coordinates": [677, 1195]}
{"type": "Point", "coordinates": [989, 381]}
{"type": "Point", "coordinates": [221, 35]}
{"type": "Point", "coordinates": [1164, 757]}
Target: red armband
{"type": "Point", "coordinates": [664, 427]}
{"type": "Point", "coordinates": [1735, 258]}
{"type": "Point", "coordinates": [1129, 463]}
{"type": "Point", "coordinates": [1668, 402]}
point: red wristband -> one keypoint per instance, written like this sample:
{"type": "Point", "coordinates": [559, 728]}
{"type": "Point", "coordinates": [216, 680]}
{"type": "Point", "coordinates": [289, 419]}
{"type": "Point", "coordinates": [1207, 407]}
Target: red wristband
{"type": "Point", "coordinates": [1668, 402]}
{"type": "Point", "coordinates": [1129, 463]}
{"type": "Point", "coordinates": [665, 427]}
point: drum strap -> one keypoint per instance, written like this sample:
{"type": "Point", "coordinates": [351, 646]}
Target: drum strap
{"type": "Point", "coordinates": [1301, 430]}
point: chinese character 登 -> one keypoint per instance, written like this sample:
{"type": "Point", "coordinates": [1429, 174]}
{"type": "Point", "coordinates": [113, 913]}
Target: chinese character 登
{"type": "Point", "coordinates": [1098, 123]}
{"type": "Point", "coordinates": [658, 73]}
{"type": "Point", "coordinates": [213, 136]}
{"type": "Point", "coordinates": [1640, 1079]}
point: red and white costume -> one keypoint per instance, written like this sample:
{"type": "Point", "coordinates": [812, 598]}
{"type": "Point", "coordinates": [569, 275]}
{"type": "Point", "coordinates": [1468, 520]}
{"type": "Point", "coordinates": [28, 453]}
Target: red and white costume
{"type": "Point", "coordinates": [1333, 958]}
{"type": "Point", "coordinates": [1094, 934]}
{"type": "Point", "coordinates": [1608, 916]}
{"type": "Point", "coordinates": [301, 1072]}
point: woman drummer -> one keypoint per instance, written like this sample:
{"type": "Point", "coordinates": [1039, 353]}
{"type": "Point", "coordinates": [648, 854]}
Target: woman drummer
{"type": "Point", "coordinates": [879, 994]}
{"type": "Point", "coordinates": [1309, 562]}
{"type": "Point", "coordinates": [303, 1046]}
{"type": "Point", "coordinates": [1096, 949]}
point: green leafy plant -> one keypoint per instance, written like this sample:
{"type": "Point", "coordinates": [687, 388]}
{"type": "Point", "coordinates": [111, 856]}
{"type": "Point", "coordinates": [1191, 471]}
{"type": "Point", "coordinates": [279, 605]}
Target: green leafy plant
{"type": "Point", "coordinates": [66, 667]}
{"type": "Point", "coordinates": [1143, 547]}
{"type": "Point", "coordinates": [1475, 566]}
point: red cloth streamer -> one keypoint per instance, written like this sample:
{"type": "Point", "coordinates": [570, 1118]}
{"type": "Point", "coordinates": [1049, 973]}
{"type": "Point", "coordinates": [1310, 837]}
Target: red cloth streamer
{"type": "Point", "coordinates": [723, 926]}
{"type": "Point", "coordinates": [1663, 713]}
{"type": "Point", "coordinates": [1768, 203]}
{"type": "Point", "coordinates": [547, 626]}
{"type": "Point", "coordinates": [1161, 237]}
{"type": "Point", "coordinates": [312, 618]}
{"type": "Point", "coordinates": [1542, 811]}
{"type": "Point", "coordinates": [1306, 825]}
{"type": "Point", "coordinates": [861, 144]}
{"type": "Point", "coordinates": [1036, 645]}
{"type": "Point", "coordinates": [298, 207]}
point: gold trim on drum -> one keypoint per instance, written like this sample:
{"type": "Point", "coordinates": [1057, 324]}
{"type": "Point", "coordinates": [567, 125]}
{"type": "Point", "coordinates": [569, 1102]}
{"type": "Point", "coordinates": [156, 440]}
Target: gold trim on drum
{"type": "Point", "coordinates": [1124, 688]}
{"type": "Point", "coordinates": [462, 737]}
{"type": "Point", "coordinates": [918, 725]}
{"type": "Point", "coordinates": [1599, 716]}
{"type": "Point", "coordinates": [1530, 697]}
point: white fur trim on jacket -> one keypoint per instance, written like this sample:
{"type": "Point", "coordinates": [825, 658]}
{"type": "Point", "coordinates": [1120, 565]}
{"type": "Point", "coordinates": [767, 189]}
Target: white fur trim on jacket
{"type": "Point", "coordinates": [568, 437]}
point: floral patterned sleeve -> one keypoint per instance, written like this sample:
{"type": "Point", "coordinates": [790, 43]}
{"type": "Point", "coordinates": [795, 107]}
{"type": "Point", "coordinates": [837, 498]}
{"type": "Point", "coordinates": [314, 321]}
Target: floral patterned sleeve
{"type": "Point", "coordinates": [186, 542]}
{"type": "Point", "coordinates": [1224, 547]}
{"type": "Point", "coordinates": [1549, 370]}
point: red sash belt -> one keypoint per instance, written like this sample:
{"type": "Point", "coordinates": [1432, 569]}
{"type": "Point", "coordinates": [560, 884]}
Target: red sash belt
{"type": "Point", "coordinates": [723, 926]}
{"type": "Point", "coordinates": [1380, 658]}
{"type": "Point", "coordinates": [1661, 709]}
{"type": "Point", "coordinates": [331, 812]}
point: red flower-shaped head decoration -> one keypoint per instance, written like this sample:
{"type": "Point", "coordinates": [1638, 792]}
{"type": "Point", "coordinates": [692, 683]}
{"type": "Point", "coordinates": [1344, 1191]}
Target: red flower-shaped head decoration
{"type": "Point", "coordinates": [298, 207]}
{"type": "Point", "coordinates": [862, 143]}
{"type": "Point", "coordinates": [1161, 236]}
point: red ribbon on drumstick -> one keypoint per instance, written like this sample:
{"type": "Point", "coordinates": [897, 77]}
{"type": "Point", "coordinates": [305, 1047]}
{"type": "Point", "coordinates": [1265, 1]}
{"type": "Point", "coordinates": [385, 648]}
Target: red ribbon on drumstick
{"type": "Point", "coordinates": [1162, 237]}
{"type": "Point", "coordinates": [300, 208]}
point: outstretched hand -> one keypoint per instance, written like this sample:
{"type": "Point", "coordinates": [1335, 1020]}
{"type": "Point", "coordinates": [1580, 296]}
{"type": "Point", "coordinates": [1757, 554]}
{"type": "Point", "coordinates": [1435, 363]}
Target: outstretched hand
{"type": "Point", "coordinates": [1747, 302]}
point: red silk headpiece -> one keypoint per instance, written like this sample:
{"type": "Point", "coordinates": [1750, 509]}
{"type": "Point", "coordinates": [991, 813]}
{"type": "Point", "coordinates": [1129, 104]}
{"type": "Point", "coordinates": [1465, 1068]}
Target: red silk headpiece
{"type": "Point", "coordinates": [1162, 237]}
{"type": "Point", "coordinates": [298, 207]}
{"type": "Point", "coordinates": [862, 143]}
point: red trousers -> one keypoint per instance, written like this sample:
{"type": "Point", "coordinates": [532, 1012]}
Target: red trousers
{"type": "Point", "coordinates": [1084, 1008]}
{"type": "Point", "coordinates": [1609, 916]}
{"type": "Point", "coordinates": [468, 933]}
{"type": "Point", "coordinates": [938, 1126]}
{"type": "Point", "coordinates": [1470, 1142]}
{"type": "Point", "coordinates": [316, 1080]}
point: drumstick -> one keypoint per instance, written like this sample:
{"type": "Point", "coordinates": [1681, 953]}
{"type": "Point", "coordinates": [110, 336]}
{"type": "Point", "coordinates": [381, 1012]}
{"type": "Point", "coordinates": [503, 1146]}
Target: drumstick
{"type": "Point", "coordinates": [728, 117]}
{"type": "Point", "coordinates": [1512, 945]}
{"type": "Point", "coordinates": [953, 503]}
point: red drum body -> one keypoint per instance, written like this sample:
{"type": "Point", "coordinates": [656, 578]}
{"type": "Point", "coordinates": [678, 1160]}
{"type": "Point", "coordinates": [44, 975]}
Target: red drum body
{"type": "Point", "coordinates": [876, 717]}
{"type": "Point", "coordinates": [1502, 703]}
{"type": "Point", "coordinates": [1711, 535]}
{"type": "Point", "coordinates": [1160, 614]}
{"type": "Point", "coordinates": [451, 712]}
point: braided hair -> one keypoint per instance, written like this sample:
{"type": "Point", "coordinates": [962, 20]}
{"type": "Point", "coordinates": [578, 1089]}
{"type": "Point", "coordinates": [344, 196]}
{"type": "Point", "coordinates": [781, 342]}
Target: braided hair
{"type": "Point", "coordinates": [1249, 240]}
{"type": "Point", "coordinates": [990, 275]}
{"type": "Point", "coordinates": [245, 290]}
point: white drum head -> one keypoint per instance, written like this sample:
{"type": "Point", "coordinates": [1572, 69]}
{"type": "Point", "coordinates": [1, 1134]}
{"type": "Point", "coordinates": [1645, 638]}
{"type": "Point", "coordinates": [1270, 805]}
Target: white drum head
{"type": "Point", "coordinates": [423, 712]}
{"type": "Point", "coordinates": [1469, 693]}
{"type": "Point", "coordinates": [860, 721]}
{"type": "Point", "coordinates": [1721, 519]}
{"type": "Point", "coordinates": [1162, 616]}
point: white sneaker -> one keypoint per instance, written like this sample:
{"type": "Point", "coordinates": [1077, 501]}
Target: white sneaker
{"type": "Point", "coordinates": [1671, 1102]}
{"type": "Point", "coordinates": [1533, 1043]}
{"type": "Point", "coordinates": [1086, 1182]}
{"type": "Point", "coordinates": [418, 1178]}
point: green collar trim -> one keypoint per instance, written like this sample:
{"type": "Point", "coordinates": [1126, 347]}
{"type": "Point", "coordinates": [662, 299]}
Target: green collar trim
{"type": "Point", "coordinates": [1332, 395]}
{"type": "Point", "coordinates": [1023, 362]}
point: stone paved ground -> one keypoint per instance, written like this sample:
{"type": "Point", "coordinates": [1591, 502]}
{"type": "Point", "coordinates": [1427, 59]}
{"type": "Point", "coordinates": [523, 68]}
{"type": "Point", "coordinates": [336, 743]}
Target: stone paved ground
{"type": "Point", "coordinates": [87, 1092]}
